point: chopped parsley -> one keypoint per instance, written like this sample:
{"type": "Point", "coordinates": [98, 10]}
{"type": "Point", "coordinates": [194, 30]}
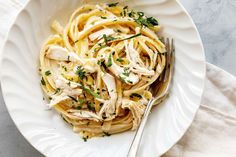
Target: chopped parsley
{"type": "Point", "coordinates": [124, 12]}
{"type": "Point", "coordinates": [76, 41]}
{"type": "Point", "coordinates": [57, 90]}
{"type": "Point", "coordinates": [126, 71]}
{"type": "Point", "coordinates": [100, 47]}
{"type": "Point", "coordinates": [43, 82]}
{"type": "Point", "coordinates": [119, 60]}
{"type": "Point", "coordinates": [103, 66]}
{"type": "Point", "coordinates": [108, 38]}
{"type": "Point", "coordinates": [91, 106]}
{"type": "Point", "coordinates": [80, 72]}
{"type": "Point", "coordinates": [122, 78]}
{"type": "Point", "coordinates": [64, 68]}
{"type": "Point", "coordinates": [141, 19]}
{"type": "Point", "coordinates": [106, 133]}
{"type": "Point", "coordinates": [109, 63]}
{"type": "Point", "coordinates": [89, 91]}
{"type": "Point", "coordinates": [135, 95]}
{"type": "Point", "coordinates": [47, 73]}
{"type": "Point", "coordinates": [79, 107]}
{"type": "Point", "coordinates": [73, 98]}
{"type": "Point", "coordinates": [113, 4]}
{"type": "Point", "coordinates": [130, 81]}
{"type": "Point", "coordinates": [98, 62]}
{"type": "Point", "coordinates": [136, 35]}
{"type": "Point", "coordinates": [85, 139]}
{"type": "Point", "coordinates": [103, 17]}
{"type": "Point", "coordinates": [145, 21]}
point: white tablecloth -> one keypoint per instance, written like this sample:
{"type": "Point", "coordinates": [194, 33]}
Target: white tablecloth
{"type": "Point", "coordinates": [212, 134]}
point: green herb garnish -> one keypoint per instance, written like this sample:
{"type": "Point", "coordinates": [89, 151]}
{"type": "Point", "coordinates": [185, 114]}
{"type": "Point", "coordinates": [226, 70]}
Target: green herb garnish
{"type": "Point", "coordinates": [64, 68]}
{"type": "Point", "coordinates": [135, 95]}
{"type": "Point", "coordinates": [73, 98]}
{"type": "Point", "coordinates": [103, 17]}
{"type": "Point", "coordinates": [91, 106]}
{"type": "Point", "coordinates": [106, 133]}
{"type": "Point", "coordinates": [109, 63]}
{"type": "Point", "coordinates": [43, 82]}
{"type": "Point", "coordinates": [57, 91]}
{"type": "Point", "coordinates": [136, 35]}
{"type": "Point", "coordinates": [47, 73]}
{"type": "Point", "coordinates": [80, 72]}
{"type": "Point", "coordinates": [78, 107]}
{"type": "Point", "coordinates": [130, 81]}
{"type": "Point", "coordinates": [122, 78]}
{"type": "Point", "coordinates": [108, 38]}
{"type": "Point", "coordinates": [89, 91]}
{"type": "Point", "coordinates": [85, 139]}
{"type": "Point", "coordinates": [113, 4]}
{"type": "Point", "coordinates": [126, 71]}
{"type": "Point", "coordinates": [119, 60]}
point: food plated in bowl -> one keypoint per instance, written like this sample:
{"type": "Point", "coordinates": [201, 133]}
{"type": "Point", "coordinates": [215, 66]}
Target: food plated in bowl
{"type": "Point", "coordinates": [97, 69]}
{"type": "Point", "coordinates": [46, 131]}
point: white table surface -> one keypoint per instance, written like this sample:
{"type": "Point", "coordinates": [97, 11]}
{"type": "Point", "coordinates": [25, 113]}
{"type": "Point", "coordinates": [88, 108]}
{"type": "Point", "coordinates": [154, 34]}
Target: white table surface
{"type": "Point", "coordinates": [215, 20]}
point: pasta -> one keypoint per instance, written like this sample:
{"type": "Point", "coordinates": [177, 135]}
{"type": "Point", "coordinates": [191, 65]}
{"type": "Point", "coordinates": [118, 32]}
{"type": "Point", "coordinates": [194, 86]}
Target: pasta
{"type": "Point", "coordinates": [96, 71]}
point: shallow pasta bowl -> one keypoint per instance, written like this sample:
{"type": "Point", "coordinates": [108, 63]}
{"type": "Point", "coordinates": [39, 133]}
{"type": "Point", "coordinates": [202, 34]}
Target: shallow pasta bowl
{"type": "Point", "coordinates": [45, 129]}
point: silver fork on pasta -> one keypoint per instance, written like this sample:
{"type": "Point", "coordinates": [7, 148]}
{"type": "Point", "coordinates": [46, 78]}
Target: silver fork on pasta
{"type": "Point", "coordinates": [160, 89]}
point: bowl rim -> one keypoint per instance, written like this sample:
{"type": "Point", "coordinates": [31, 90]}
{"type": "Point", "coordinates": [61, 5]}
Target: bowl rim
{"type": "Point", "coordinates": [24, 6]}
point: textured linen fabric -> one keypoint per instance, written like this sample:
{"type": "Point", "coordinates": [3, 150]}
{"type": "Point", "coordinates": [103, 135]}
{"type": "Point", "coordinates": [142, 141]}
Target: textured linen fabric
{"type": "Point", "coordinates": [212, 133]}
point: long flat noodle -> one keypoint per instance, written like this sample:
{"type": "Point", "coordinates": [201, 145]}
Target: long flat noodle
{"type": "Point", "coordinates": [97, 69]}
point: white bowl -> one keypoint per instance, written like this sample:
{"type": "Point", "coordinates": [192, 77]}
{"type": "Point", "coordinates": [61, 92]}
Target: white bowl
{"type": "Point", "coordinates": [48, 133]}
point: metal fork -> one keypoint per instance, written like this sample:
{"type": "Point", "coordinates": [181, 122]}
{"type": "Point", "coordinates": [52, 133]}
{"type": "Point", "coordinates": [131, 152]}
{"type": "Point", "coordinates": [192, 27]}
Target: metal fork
{"type": "Point", "coordinates": [160, 89]}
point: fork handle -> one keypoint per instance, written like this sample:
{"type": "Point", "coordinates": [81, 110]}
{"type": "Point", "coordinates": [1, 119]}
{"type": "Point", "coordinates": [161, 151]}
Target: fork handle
{"type": "Point", "coordinates": [138, 135]}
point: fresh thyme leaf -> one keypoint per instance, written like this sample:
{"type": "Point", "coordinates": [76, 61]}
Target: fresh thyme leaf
{"type": "Point", "coordinates": [136, 35]}
{"type": "Point", "coordinates": [43, 82]}
{"type": "Point", "coordinates": [73, 98]}
{"type": "Point", "coordinates": [109, 63]}
{"type": "Point", "coordinates": [47, 73]}
{"type": "Point", "coordinates": [80, 72]}
{"type": "Point", "coordinates": [91, 106]}
{"type": "Point", "coordinates": [113, 4]}
{"type": "Point", "coordinates": [135, 95]}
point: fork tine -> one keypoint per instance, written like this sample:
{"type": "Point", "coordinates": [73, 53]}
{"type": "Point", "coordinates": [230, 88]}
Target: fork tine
{"type": "Point", "coordinates": [167, 68]}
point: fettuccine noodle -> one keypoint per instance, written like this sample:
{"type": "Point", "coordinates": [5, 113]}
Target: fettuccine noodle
{"type": "Point", "coordinates": [96, 71]}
